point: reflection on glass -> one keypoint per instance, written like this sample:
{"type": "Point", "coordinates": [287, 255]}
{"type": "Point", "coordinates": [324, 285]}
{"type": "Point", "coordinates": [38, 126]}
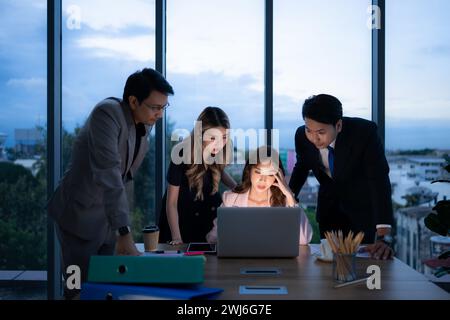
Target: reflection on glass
{"type": "Point", "coordinates": [417, 117]}
{"type": "Point", "coordinates": [103, 43]}
{"type": "Point", "coordinates": [215, 59]}
{"type": "Point", "coordinates": [23, 74]}
{"type": "Point", "coordinates": [319, 47]}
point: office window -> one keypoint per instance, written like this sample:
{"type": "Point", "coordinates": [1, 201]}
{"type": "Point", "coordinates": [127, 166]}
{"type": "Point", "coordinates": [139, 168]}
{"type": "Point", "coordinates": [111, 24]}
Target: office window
{"type": "Point", "coordinates": [23, 117]}
{"type": "Point", "coordinates": [417, 99]}
{"type": "Point", "coordinates": [319, 47]}
{"type": "Point", "coordinates": [103, 43]}
{"type": "Point", "coordinates": [215, 57]}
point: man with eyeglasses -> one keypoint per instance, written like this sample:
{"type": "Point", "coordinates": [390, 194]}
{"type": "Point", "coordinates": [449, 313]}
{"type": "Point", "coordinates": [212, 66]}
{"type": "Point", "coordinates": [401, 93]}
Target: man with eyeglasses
{"type": "Point", "coordinates": [90, 205]}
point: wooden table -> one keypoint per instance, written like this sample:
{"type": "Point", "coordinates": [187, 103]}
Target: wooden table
{"type": "Point", "coordinates": [306, 278]}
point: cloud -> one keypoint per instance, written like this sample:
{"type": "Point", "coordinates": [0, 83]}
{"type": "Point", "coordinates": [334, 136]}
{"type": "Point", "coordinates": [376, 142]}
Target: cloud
{"type": "Point", "coordinates": [28, 83]}
{"type": "Point", "coordinates": [135, 48]}
{"type": "Point", "coordinates": [411, 108]}
{"type": "Point", "coordinates": [235, 50]}
{"type": "Point", "coordinates": [437, 50]}
{"type": "Point", "coordinates": [111, 16]}
{"type": "Point", "coordinates": [21, 22]}
{"type": "Point", "coordinates": [245, 108]}
{"type": "Point", "coordinates": [40, 4]}
{"type": "Point", "coordinates": [208, 38]}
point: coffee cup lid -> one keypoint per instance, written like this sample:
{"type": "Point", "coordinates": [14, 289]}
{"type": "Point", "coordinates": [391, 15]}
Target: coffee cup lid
{"type": "Point", "coordinates": [149, 229]}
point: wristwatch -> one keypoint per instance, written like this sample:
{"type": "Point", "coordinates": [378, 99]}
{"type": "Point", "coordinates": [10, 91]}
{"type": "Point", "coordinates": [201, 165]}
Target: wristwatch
{"type": "Point", "coordinates": [387, 239]}
{"type": "Point", "coordinates": [123, 231]}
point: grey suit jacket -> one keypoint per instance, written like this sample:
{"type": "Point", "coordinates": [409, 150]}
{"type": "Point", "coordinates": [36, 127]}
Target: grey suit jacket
{"type": "Point", "coordinates": [91, 198]}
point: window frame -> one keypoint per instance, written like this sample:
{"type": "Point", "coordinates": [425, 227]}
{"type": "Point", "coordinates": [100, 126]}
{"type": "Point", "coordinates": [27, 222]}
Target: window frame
{"type": "Point", "coordinates": [54, 111]}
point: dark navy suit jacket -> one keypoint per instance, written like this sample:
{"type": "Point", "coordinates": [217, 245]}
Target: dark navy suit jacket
{"type": "Point", "coordinates": [360, 189]}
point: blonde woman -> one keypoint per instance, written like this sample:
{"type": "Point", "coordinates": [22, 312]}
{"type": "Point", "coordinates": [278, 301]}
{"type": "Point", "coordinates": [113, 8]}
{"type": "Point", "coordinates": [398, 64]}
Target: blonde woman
{"type": "Point", "coordinates": [192, 196]}
{"type": "Point", "coordinates": [263, 185]}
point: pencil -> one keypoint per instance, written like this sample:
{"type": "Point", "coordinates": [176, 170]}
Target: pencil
{"type": "Point", "coordinates": [350, 283]}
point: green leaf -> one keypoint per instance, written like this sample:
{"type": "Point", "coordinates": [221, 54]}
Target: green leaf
{"type": "Point", "coordinates": [443, 212]}
{"type": "Point", "coordinates": [444, 218]}
{"type": "Point", "coordinates": [442, 207]}
{"type": "Point", "coordinates": [445, 255]}
{"type": "Point", "coordinates": [442, 203]}
{"type": "Point", "coordinates": [442, 272]}
{"type": "Point", "coordinates": [434, 224]}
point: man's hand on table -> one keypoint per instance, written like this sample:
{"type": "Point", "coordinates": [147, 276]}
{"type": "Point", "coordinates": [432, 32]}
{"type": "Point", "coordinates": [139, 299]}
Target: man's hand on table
{"type": "Point", "coordinates": [125, 246]}
{"type": "Point", "coordinates": [380, 251]}
{"type": "Point", "coordinates": [382, 248]}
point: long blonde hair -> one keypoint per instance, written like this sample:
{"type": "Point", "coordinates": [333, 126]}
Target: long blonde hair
{"type": "Point", "coordinates": [211, 117]}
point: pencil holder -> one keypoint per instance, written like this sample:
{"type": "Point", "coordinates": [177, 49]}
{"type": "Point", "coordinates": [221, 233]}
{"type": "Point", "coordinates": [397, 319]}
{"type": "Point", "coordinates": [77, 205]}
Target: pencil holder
{"type": "Point", "coordinates": [344, 267]}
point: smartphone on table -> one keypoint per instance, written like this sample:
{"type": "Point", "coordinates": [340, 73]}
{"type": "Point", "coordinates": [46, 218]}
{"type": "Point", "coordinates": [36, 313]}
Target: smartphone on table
{"type": "Point", "coordinates": [204, 247]}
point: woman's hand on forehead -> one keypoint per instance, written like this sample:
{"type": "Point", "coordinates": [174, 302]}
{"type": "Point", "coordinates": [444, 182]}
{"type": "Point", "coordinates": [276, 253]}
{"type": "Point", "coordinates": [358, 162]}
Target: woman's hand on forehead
{"type": "Point", "coordinates": [268, 171]}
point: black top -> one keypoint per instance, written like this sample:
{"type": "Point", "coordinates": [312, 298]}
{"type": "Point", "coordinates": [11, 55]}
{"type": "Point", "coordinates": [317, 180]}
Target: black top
{"type": "Point", "coordinates": [195, 218]}
{"type": "Point", "coordinates": [358, 197]}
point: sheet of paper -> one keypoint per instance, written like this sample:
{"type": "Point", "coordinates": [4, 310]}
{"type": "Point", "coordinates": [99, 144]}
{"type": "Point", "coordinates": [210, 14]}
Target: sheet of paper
{"type": "Point", "coordinates": [315, 251]}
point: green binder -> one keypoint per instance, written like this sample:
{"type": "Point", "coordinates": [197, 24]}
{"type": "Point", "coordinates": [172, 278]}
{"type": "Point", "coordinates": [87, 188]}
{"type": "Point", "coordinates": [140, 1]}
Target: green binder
{"type": "Point", "coordinates": [147, 269]}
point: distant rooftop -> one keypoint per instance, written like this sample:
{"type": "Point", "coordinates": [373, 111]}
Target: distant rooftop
{"type": "Point", "coordinates": [427, 160]}
{"type": "Point", "coordinates": [28, 135]}
{"type": "Point", "coordinates": [415, 212]}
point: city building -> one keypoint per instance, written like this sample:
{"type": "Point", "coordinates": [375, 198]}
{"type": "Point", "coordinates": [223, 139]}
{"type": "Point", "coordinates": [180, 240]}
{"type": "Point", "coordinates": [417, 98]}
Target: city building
{"type": "Point", "coordinates": [413, 237]}
{"type": "Point", "coordinates": [29, 164]}
{"type": "Point", "coordinates": [28, 141]}
{"type": "Point", "coordinates": [426, 168]}
{"type": "Point", "coordinates": [308, 195]}
{"type": "Point", "coordinates": [3, 138]}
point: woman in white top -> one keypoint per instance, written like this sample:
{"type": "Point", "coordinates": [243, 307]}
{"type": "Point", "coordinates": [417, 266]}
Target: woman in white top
{"type": "Point", "coordinates": [263, 185]}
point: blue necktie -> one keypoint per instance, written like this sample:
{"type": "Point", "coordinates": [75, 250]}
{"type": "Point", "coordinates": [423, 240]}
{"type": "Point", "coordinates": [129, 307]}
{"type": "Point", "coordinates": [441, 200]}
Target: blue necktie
{"type": "Point", "coordinates": [331, 160]}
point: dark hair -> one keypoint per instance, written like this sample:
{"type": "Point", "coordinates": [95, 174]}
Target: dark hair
{"type": "Point", "coordinates": [323, 108]}
{"type": "Point", "coordinates": [278, 199]}
{"type": "Point", "coordinates": [141, 84]}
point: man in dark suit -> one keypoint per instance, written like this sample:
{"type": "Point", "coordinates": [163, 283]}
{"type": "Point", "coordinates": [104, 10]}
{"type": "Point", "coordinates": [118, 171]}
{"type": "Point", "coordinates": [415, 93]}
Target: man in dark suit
{"type": "Point", "coordinates": [347, 158]}
{"type": "Point", "coordinates": [90, 205]}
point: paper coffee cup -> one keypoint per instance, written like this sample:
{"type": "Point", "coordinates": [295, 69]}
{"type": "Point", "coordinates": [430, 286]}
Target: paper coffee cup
{"type": "Point", "coordinates": [151, 238]}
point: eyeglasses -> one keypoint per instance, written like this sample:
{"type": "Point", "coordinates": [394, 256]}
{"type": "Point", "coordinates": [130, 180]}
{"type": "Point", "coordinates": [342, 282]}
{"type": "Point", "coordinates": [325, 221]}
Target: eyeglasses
{"type": "Point", "coordinates": [157, 108]}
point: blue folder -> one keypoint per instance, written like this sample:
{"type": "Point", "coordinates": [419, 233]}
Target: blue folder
{"type": "Point", "coordinates": [98, 291]}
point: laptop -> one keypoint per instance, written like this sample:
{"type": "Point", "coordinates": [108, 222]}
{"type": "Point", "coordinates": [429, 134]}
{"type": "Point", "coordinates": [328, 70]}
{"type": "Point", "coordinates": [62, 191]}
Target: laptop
{"type": "Point", "coordinates": [267, 232]}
